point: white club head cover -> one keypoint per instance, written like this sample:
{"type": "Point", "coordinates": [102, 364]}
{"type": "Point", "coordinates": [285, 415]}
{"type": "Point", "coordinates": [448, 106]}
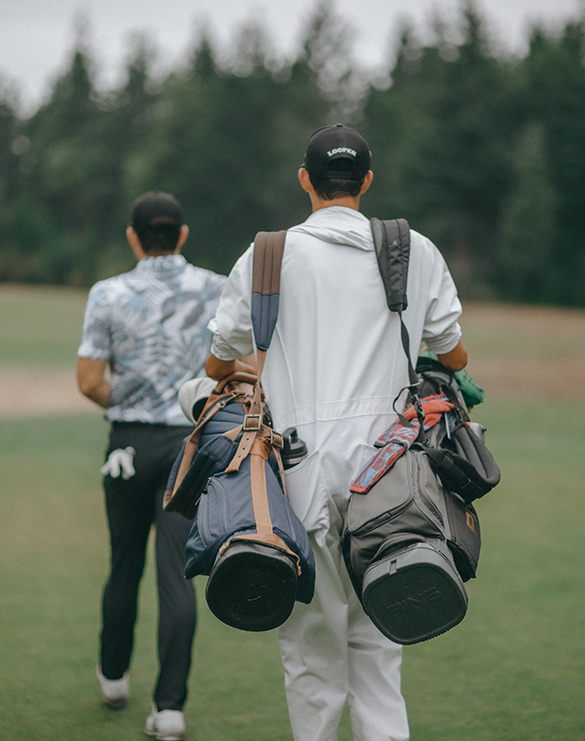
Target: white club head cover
{"type": "Point", "coordinates": [193, 391]}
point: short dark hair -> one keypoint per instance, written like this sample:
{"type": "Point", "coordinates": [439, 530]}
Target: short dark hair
{"type": "Point", "coordinates": [157, 219]}
{"type": "Point", "coordinates": [331, 188]}
{"type": "Point", "coordinates": [160, 240]}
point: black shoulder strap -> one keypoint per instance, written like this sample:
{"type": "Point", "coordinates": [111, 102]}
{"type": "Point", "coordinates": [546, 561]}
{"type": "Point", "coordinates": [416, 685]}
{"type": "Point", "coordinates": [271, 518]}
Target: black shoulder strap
{"type": "Point", "coordinates": [392, 243]}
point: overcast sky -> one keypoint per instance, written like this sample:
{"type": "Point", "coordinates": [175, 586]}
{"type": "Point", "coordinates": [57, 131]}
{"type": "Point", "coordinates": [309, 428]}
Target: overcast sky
{"type": "Point", "coordinates": [37, 35]}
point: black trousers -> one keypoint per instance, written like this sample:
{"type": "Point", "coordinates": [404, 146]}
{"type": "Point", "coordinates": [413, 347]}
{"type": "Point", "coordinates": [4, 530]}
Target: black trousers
{"type": "Point", "coordinates": [133, 507]}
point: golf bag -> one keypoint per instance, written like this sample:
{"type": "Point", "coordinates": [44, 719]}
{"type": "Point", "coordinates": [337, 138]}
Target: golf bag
{"type": "Point", "coordinates": [229, 478]}
{"type": "Point", "coordinates": [413, 535]}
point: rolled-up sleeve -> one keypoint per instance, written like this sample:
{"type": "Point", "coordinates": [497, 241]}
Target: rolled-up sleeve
{"type": "Point", "coordinates": [232, 323]}
{"type": "Point", "coordinates": [442, 331]}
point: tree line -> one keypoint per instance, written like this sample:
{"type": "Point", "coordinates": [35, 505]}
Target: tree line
{"type": "Point", "coordinates": [481, 151]}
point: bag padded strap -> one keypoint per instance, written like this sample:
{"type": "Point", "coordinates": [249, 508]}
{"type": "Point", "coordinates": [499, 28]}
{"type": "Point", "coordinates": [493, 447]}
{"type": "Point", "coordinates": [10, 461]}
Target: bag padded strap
{"type": "Point", "coordinates": [392, 243]}
{"type": "Point", "coordinates": [266, 264]}
{"type": "Point", "coordinates": [268, 250]}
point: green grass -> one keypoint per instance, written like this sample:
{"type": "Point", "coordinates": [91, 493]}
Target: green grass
{"type": "Point", "coordinates": [513, 670]}
{"type": "Point", "coordinates": [40, 327]}
{"type": "Point", "coordinates": [53, 546]}
{"type": "Point", "coordinates": [523, 333]}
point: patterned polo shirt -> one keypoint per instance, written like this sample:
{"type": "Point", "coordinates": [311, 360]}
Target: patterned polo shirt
{"type": "Point", "coordinates": [151, 325]}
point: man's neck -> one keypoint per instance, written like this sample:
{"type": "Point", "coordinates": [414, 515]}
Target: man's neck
{"type": "Point", "coordinates": [347, 202]}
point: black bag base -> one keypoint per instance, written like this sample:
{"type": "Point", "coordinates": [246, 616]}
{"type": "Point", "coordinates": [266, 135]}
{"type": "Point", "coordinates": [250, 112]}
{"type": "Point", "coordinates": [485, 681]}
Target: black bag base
{"type": "Point", "coordinates": [414, 594]}
{"type": "Point", "coordinates": [252, 586]}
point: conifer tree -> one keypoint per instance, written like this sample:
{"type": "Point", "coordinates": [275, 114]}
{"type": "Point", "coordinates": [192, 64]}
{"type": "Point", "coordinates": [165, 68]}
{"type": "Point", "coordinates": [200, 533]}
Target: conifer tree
{"type": "Point", "coordinates": [440, 139]}
{"type": "Point", "coordinates": [553, 79]}
{"type": "Point", "coordinates": [65, 145]}
{"type": "Point", "coordinates": [525, 268]}
{"type": "Point", "coordinates": [14, 146]}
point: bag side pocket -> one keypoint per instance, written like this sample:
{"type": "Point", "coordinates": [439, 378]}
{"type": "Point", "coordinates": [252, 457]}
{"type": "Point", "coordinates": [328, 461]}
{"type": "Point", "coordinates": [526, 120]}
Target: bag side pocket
{"type": "Point", "coordinates": [465, 537]}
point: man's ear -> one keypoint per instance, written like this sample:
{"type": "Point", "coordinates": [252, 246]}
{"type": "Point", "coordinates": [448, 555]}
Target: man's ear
{"type": "Point", "coordinates": [134, 242]}
{"type": "Point", "coordinates": [183, 234]}
{"type": "Point", "coordinates": [305, 180]}
{"type": "Point", "coordinates": [367, 182]}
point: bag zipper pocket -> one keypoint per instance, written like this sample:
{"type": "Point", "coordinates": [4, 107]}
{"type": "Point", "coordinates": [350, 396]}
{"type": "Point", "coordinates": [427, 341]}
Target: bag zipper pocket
{"type": "Point", "coordinates": [380, 519]}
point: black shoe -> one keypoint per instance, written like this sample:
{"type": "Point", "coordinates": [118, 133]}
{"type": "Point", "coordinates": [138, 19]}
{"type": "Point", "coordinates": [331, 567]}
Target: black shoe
{"type": "Point", "coordinates": [252, 586]}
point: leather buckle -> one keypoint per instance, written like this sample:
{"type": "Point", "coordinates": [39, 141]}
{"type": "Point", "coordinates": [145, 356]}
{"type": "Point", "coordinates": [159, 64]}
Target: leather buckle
{"type": "Point", "coordinates": [252, 423]}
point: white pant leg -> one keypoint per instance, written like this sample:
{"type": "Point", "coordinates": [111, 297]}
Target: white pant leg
{"type": "Point", "coordinates": [333, 654]}
{"type": "Point", "coordinates": [377, 708]}
{"type": "Point", "coordinates": [313, 647]}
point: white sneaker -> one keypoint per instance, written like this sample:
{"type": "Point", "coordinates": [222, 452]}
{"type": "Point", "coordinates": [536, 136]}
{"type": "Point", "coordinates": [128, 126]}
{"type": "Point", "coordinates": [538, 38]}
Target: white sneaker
{"type": "Point", "coordinates": [115, 692]}
{"type": "Point", "coordinates": [166, 725]}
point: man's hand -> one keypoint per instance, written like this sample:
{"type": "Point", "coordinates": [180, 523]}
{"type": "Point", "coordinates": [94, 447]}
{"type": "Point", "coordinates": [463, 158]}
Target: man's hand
{"type": "Point", "coordinates": [218, 369]}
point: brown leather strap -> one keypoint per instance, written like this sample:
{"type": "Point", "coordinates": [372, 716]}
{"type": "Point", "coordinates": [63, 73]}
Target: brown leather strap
{"type": "Point", "coordinates": [258, 457]}
{"type": "Point", "coordinates": [237, 376]}
{"type": "Point", "coordinates": [272, 540]}
{"type": "Point", "coordinates": [253, 429]}
{"type": "Point", "coordinates": [268, 249]}
{"type": "Point", "coordinates": [259, 453]}
{"type": "Point", "coordinates": [281, 469]}
{"type": "Point", "coordinates": [187, 459]}
{"type": "Point", "coordinates": [257, 402]}
{"type": "Point", "coordinates": [233, 434]}
{"type": "Point", "coordinates": [212, 406]}
{"type": "Point", "coordinates": [193, 441]}
{"type": "Point", "coordinates": [244, 448]}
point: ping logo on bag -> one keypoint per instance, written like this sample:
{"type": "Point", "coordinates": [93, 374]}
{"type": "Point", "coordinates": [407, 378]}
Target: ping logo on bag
{"type": "Point", "coordinates": [414, 602]}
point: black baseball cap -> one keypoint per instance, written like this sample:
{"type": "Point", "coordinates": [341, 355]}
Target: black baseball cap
{"type": "Point", "coordinates": [337, 152]}
{"type": "Point", "coordinates": [156, 211]}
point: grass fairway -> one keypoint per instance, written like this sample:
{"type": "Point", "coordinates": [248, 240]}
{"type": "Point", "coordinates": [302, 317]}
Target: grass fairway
{"type": "Point", "coordinates": [513, 670]}
{"type": "Point", "coordinates": [41, 326]}
{"type": "Point", "coordinates": [54, 555]}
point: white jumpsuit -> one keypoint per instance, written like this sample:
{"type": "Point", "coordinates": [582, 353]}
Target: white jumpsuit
{"type": "Point", "coordinates": [333, 370]}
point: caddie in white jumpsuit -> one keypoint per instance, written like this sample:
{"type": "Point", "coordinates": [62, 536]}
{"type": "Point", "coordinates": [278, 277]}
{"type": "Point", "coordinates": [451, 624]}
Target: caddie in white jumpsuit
{"type": "Point", "coordinates": [333, 370]}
